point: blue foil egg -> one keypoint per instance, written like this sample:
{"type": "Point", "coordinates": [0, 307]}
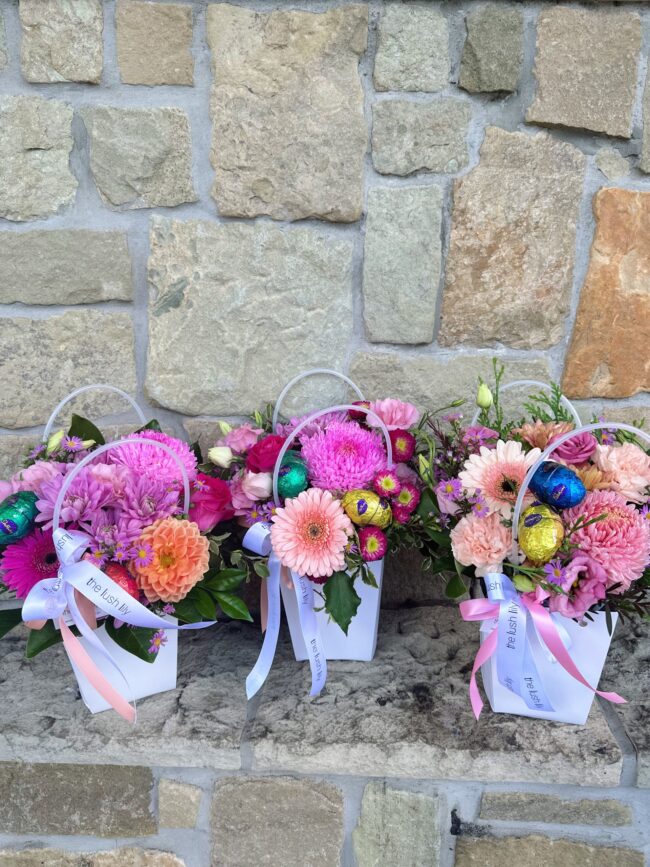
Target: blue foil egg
{"type": "Point", "coordinates": [557, 486]}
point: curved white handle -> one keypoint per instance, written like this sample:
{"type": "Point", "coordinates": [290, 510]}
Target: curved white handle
{"type": "Point", "coordinates": [539, 384]}
{"type": "Point", "coordinates": [107, 447]}
{"type": "Point", "coordinates": [81, 390]}
{"type": "Point", "coordinates": [549, 451]}
{"type": "Point", "coordinates": [303, 424]}
{"type": "Point", "coordinates": [316, 371]}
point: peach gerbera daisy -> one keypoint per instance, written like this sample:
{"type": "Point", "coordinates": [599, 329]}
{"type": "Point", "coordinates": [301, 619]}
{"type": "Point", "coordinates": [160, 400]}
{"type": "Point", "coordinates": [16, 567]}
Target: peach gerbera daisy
{"type": "Point", "coordinates": [310, 533]}
{"type": "Point", "coordinates": [179, 559]}
{"type": "Point", "coordinates": [498, 474]}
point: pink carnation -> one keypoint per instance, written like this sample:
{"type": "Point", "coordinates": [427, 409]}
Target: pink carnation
{"type": "Point", "coordinates": [629, 467]}
{"type": "Point", "coordinates": [620, 542]}
{"type": "Point", "coordinates": [241, 438]}
{"type": "Point", "coordinates": [32, 478]}
{"type": "Point", "coordinates": [481, 542]}
{"type": "Point", "coordinates": [395, 414]}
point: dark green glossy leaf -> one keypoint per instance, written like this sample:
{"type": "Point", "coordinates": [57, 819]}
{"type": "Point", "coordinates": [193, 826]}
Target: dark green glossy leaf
{"type": "Point", "coordinates": [186, 611]}
{"type": "Point", "coordinates": [341, 599]}
{"type": "Point", "coordinates": [225, 581]}
{"type": "Point", "coordinates": [39, 640]}
{"type": "Point", "coordinates": [204, 603]}
{"type": "Point", "coordinates": [85, 429]}
{"type": "Point", "coordinates": [154, 424]}
{"type": "Point", "coordinates": [233, 606]}
{"type": "Point", "coordinates": [455, 587]}
{"type": "Point", "coordinates": [9, 618]}
{"type": "Point", "coordinates": [440, 538]}
{"type": "Point", "coordinates": [367, 577]}
{"type": "Point", "coordinates": [133, 639]}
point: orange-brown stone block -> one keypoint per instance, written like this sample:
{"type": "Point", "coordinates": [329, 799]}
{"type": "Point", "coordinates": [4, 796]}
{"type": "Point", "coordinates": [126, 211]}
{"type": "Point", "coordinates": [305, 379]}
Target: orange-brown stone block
{"type": "Point", "coordinates": [609, 354]}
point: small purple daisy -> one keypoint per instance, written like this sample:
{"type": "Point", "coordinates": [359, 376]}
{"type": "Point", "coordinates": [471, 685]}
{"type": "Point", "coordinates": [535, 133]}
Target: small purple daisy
{"type": "Point", "coordinates": [555, 572]}
{"type": "Point", "coordinates": [141, 554]}
{"type": "Point", "coordinates": [72, 444]}
{"type": "Point", "coordinates": [158, 640]}
{"type": "Point", "coordinates": [452, 489]}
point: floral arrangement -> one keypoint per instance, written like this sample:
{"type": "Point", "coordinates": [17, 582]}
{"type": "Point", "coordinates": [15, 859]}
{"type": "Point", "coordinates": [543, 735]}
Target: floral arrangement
{"type": "Point", "coordinates": [584, 532]}
{"type": "Point", "coordinates": [128, 504]}
{"type": "Point", "coordinates": [340, 506]}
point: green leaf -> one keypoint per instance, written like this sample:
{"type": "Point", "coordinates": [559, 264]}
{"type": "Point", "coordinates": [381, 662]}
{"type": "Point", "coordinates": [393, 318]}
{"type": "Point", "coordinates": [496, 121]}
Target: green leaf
{"type": "Point", "coordinates": [455, 587]}
{"type": "Point", "coordinates": [225, 580]}
{"type": "Point", "coordinates": [233, 606]}
{"type": "Point", "coordinates": [154, 424]}
{"type": "Point", "coordinates": [442, 539]}
{"type": "Point", "coordinates": [39, 640]}
{"type": "Point", "coordinates": [261, 568]}
{"type": "Point", "coordinates": [9, 618]}
{"type": "Point", "coordinates": [133, 639]}
{"type": "Point", "coordinates": [341, 599]}
{"type": "Point", "coordinates": [426, 505]}
{"type": "Point", "coordinates": [523, 584]}
{"type": "Point", "coordinates": [85, 430]}
{"type": "Point", "coordinates": [367, 577]}
{"type": "Point", "coordinates": [186, 611]}
{"type": "Point", "coordinates": [204, 603]}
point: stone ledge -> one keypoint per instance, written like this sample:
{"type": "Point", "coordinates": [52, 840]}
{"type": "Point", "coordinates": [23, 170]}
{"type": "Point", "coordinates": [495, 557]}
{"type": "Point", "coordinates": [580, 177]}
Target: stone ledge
{"type": "Point", "coordinates": [406, 714]}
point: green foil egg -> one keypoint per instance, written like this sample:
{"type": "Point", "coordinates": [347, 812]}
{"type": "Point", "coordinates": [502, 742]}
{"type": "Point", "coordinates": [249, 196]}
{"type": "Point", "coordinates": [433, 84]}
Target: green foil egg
{"type": "Point", "coordinates": [366, 508]}
{"type": "Point", "coordinates": [541, 532]}
{"type": "Point", "coordinates": [292, 479]}
{"type": "Point", "coordinates": [17, 516]}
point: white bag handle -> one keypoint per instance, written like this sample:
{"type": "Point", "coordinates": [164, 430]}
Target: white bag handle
{"type": "Point", "coordinates": [48, 427]}
{"type": "Point", "coordinates": [539, 384]}
{"type": "Point", "coordinates": [316, 371]}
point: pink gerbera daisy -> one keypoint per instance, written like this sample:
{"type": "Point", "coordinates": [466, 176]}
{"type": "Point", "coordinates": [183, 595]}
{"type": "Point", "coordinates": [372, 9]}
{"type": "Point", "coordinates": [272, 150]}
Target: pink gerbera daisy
{"type": "Point", "coordinates": [343, 457]}
{"type": "Point", "coordinates": [23, 564]}
{"type": "Point", "coordinates": [310, 533]}
{"type": "Point", "coordinates": [145, 459]}
{"type": "Point", "coordinates": [498, 473]}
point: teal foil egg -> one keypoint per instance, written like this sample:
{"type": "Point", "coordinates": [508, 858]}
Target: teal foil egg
{"type": "Point", "coordinates": [293, 476]}
{"type": "Point", "coordinates": [17, 516]}
{"type": "Point", "coordinates": [557, 486]}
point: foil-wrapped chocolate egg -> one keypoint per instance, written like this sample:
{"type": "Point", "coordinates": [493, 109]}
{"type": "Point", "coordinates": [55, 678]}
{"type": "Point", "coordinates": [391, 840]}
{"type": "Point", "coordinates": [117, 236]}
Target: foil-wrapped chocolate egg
{"type": "Point", "coordinates": [557, 485]}
{"type": "Point", "coordinates": [541, 532]}
{"type": "Point", "coordinates": [292, 479]}
{"type": "Point", "coordinates": [366, 508]}
{"type": "Point", "coordinates": [17, 516]}
{"type": "Point", "coordinates": [123, 578]}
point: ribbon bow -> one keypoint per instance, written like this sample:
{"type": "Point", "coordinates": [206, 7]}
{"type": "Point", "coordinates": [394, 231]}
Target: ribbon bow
{"type": "Point", "coordinates": [520, 622]}
{"type": "Point", "coordinates": [51, 597]}
{"type": "Point", "coordinates": [258, 540]}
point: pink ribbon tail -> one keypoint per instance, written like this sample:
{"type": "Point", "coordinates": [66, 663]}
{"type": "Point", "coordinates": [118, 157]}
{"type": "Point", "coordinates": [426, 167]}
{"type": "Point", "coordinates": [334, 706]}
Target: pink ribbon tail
{"type": "Point", "coordinates": [485, 651]}
{"type": "Point", "coordinates": [551, 638]}
{"type": "Point", "coordinates": [96, 679]}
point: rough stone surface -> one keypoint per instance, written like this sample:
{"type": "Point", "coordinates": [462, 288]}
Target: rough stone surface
{"type": "Point", "coordinates": [100, 800]}
{"type": "Point", "coordinates": [178, 804]}
{"type": "Point", "coordinates": [397, 827]}
{"type": "Point", "coordinates": [512, 246]}
{"type": "Point", "coordinates": [43, 267]}
{"type": "Point", "coordinates": [535, 807]}
{"type": "Point", "coordinates": [249, 823]}
{"type": "Point", "coordinates": [612, 164]}
{"type": "Point", "coordinates": [4, 57]}
{"type": "Point", "coordinates": [541, 852]}
{"type": "Point", "coordinates": [61, 41]}
{"type": "Point", "coordinates": [609, 355]}
{"type": "Point", "coordinates": [129, 857]}
{"type": "Point", "coordinates": [627, 671]}
{"type": "Point", "coordinates": [71, 350]}
{"type": "Point", "coordinates": [223, 289]}
{"type": "Point", "coordinates": [154, 43]}
{"type": "Point", "coordinates": [140, 157]}
{"type": "Point", "coordinates": [586, 68]}
{"type": "Point", "coordinates": [13, 449]}
{"type": "Point", "coordinates": [35, 143]}
{"type": "Point", "coordinates": [401, 266]}
{"type": "Point", "coordinates": [200, 722]}
{"type": "Point", "coordinates": [644, 161]}
{"type": "Point", "coordinates": [494, 49]}
{"type": "Point", "coordinates": [432, 381]}
{"type": "Point", "coordinates": [412, 49]}
{"type": "Point", "coordinates": [422, 654]}
{"type": "Point", "coordinates": [410, 137]}
{"type": "Point", "coordinates": [287, 109]}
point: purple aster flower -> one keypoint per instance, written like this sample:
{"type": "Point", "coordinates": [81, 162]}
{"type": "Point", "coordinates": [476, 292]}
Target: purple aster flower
{"type": "Point", "coordinates": [158, 640]}
{"type": "Point", "coordinates": [96, 556]}
{"type": "Point", "coordinates": [479, 507]}
{"type": "Point", "coordinates": [200, 485]}
{"type": "Point", "coordinates": [168, 608]}
{"type": "Point", "coordinates": [36, 451]}
{"type": "Point", "coordinates": [645, 513]}
{"type": "Point", "coordinates": [608, 435]}
{"type": "Point", "coordinates": [451, 489]}
{"type": "Point", "coordinates": [72, 444]}
{"type": "Point", "coordinates": [555, 572]}
{"type": "Point", "coordinates": [141, 554]}
{"type": "Point", "coordinates": [452, 417]}
{"type": "Point", "coordinates": [443, 521]}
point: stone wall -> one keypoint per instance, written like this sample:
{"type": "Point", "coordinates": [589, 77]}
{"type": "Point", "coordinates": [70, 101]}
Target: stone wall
{"type": "Point", "coordinates": [199, 199]}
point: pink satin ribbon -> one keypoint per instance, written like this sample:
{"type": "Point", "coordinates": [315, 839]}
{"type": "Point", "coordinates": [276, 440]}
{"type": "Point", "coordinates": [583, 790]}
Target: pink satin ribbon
{"type": "Point", "coordinates": [484, 609]}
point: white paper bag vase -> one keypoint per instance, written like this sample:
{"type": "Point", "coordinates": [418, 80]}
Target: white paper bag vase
{"type": "Point", "coordinates": [144, 678]}
{"type": "Point", "coordinates": [570, 699]}
{"type": "Point", "coordinates": [360, 642]}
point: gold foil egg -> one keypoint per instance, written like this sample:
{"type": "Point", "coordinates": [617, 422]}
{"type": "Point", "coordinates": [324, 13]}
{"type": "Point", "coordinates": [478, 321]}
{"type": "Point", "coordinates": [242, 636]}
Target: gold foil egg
{"type": "Point", "coordinates": [367, 508]}
{"type": "Point", "coordinates": [541, 532]}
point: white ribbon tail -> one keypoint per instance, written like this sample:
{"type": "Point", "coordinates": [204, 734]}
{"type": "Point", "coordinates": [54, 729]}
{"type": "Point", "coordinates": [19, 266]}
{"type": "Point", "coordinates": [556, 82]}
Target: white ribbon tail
{"type": "Point", "coordinates": [310, 632]}
{"type": "Point", "coordinates": [260, 671]}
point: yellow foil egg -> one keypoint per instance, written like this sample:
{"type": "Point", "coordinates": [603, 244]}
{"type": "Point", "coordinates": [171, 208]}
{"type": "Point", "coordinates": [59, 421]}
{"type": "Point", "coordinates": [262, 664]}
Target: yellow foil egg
{"type": "Point", "coordinates": [367, 508]}
{"type": "Point", "coordinates": [541, 532]}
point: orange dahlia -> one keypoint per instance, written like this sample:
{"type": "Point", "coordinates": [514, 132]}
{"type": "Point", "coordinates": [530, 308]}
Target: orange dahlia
{"type": "Point", "coordinates": [179, 559]}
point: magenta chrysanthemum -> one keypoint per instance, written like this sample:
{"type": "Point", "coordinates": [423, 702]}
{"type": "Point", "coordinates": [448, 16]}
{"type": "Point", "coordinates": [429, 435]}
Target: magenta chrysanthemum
{"type": "Point", "coordinates": [82, 501]}
{"type": "Point", "coordinates": [343, 457]}
{"type": "Point", "coordinates": [25, 563]}
{"type": "Point", "coordinates": [620, 542]}
{"type": "Point", "coordinates": [372, 543]}
{"type": "Point", "coordinates": [145, 500]}
{"type": "Point", "coordinates": [145, 459]}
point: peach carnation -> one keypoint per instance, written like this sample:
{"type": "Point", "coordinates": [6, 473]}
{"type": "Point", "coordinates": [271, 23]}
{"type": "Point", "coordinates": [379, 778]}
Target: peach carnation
{"type": "Point", "coordinates": [541, 433]}
{"type": "Point", "coordinates": [498, 474]}
{"type": "Point", "coordinates": [481, 542]}
{"type": "Point", "coordinates": [179, 559]}
{"type": "Point", "coordinates": [629, 467]}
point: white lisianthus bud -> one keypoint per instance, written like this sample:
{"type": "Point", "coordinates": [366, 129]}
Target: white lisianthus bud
{"type": "Point", "coordinates": [224, 427]}
{"type": "Point", "coordinates": [88, 444]}
{"type": "Point", "coordinates": [54, 442]}
{"type": "Point", "coordinates": [484, 397]}
{"type": "Point", "coordinates": [222, 456]}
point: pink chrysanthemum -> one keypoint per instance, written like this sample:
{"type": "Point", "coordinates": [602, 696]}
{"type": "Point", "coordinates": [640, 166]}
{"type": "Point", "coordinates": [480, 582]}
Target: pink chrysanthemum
{"type": "Point", "coordinates": [144, 459]}
{"type": "Point", "coordinates": [310, 533]}
{"type": "Point", "coordinates": [498, 473]}
{"type": "Point", "coordinates": [387, 483]}
{"type": "Point", "coordinates": [82, 502]}
{"type": "Point", "coordinates": [146, 499]}
{"type": "Point", "coordinates": [372, 543]}
{"type": "Point", "coordinates": [620, 542]}
{"type": "Point", "coordinates": [343, 457]}
{"type": "Point", "coordinates": [26, 562]}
